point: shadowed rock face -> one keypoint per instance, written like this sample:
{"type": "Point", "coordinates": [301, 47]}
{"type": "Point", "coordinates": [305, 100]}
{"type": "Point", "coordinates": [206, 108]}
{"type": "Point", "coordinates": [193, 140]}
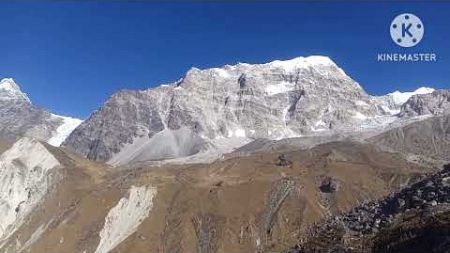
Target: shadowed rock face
{"type": "Point", "coordinates": [273, 100]}
{"type": "Point", "coordinates": [19, 117]}
{"type": "Point", "coordinates": [423, 231]}
{"type": "Point", "coordinates": [435, 103]}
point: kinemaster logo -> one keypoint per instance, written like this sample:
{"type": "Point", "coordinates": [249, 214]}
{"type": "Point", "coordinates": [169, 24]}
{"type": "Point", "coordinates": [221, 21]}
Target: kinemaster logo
{"type": "Point", "coordinates": [407, 30]}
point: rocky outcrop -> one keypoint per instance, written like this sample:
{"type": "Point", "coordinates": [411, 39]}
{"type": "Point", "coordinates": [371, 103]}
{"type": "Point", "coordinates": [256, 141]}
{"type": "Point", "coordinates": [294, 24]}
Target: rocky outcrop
{"type": "Point", "coordinates": [391, 103]}
{"type": "Point", "coordinates": [420, 231]}
{"type": "Point", "coordinates": [365, 226]}
{"type": "Point", "coordinates": [283, 161]}
{"type": "Point", "coordinates": [329, 185]}
{"type": "Point", "coordinates": [435, 103]}
{"type": "Point", "coordinates": [370, 217]}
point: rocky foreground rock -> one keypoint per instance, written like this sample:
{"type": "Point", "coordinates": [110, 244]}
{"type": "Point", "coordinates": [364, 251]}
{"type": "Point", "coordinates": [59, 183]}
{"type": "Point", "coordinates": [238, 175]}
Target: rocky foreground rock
{"type": "Point", "coordinates": [406, 216]}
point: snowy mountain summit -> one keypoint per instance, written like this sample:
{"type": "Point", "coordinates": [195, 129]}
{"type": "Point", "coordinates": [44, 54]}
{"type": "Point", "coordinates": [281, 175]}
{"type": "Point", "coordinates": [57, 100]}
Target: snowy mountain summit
{"type": "Point", "coordinates": [211, 111]}
{"type": "Point", "coordinates": [9, 90]}
{"type": "Point", "coordinates": [392, 102]}
{"type": "Point", "coordinates": [19, 117]}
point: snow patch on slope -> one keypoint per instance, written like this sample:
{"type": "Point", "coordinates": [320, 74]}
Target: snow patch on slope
{"type": "Point", "coordinates": [281, 87]}
{"type": "Point", "coordinates": [63, 131]}
{"type": "Point", "coordinates": [124, 219]}
{"type": "Point", "coordinates": [25, 177]}
{"type": "Point", "coordinates": [222, 73]}
{"type": "Point", "coordinates": [359, 116]}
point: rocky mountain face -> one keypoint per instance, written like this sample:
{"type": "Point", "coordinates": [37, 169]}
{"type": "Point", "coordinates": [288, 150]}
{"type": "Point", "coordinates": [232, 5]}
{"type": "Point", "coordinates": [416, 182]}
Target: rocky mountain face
{"type": "Point", "coordinates": [19, 117]}
{"type": "Point", "coordinates": [225, 107]}
{"type": "Point", "coordinates": [435, 103]}
{"type": "Point", "coordinates": [391, 103]}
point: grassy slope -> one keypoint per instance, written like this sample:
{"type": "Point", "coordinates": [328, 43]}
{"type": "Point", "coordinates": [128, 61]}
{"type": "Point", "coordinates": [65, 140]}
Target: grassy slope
{"type": "Point", "coordinates": [238, 201]}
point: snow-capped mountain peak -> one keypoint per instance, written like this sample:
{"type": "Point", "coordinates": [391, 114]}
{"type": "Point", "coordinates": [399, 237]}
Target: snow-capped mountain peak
{"type": "Point", "coordinates": [401, 97]}
{"type": "Point", "coordinates": [392, 102]}
{"type": "Point", "coordinates": [302, 62]}
{"type": "Point", "coordinates": [19, 117]}
{"type": "Point", "coordinates": [323, 64]}
{"type": "Point", "coordinates": [9, 89]}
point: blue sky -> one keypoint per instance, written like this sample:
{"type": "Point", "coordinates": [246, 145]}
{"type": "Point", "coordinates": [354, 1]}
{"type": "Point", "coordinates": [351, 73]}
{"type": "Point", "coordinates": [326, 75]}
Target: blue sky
{"type": "Point", "coordinates": [70, 57]}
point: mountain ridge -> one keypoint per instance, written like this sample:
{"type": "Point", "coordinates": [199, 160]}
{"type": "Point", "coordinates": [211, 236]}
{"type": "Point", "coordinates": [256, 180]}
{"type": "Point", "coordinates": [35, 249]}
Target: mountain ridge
{"type": "Point", "coordinates": [225, 107]}
{"type": "Point", "coordinates": [212, 111]}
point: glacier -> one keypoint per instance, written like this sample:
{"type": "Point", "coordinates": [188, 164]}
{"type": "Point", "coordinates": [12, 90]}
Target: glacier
{"type": "Point", "coordinates": [63, 130]}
